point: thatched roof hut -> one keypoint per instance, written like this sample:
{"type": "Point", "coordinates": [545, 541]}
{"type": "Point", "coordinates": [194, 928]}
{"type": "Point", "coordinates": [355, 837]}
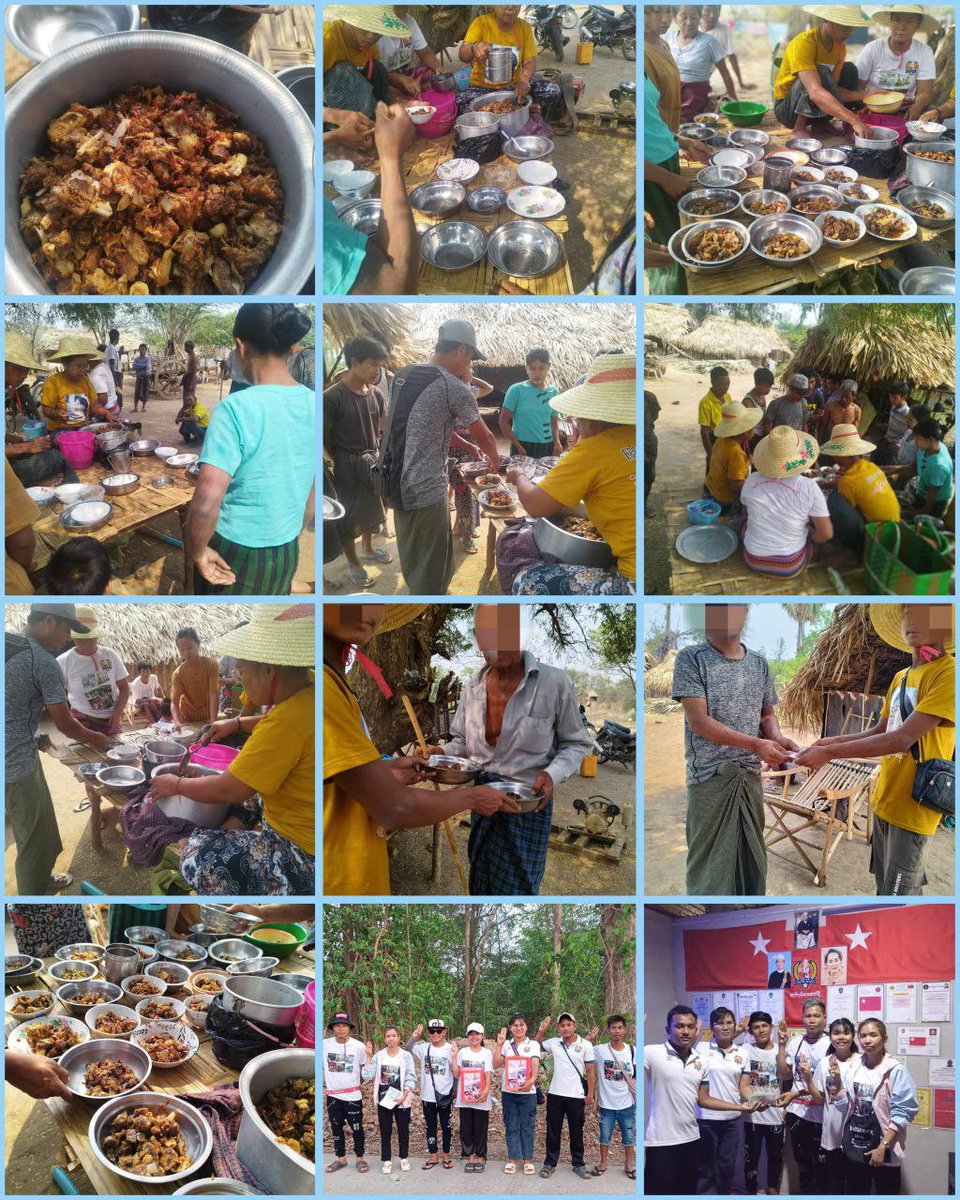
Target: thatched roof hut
{"type": "Point", "coordinates": [716, 338]}
{"type": "Point", "coordinates": [148, 631]}
{"type": "Point", "coordinates": [658, 680]}
{"type": "Point", "coordinates": [573, 333]}
{"type": "Point", "coordinates": [666, 324]}
{"type": "Point", "coordinates": [849, 659]}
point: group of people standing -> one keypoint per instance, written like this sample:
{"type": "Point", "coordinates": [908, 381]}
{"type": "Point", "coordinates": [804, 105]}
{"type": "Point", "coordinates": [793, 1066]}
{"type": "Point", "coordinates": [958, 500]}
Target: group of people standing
{"type": "Point", "coordinates": [452, 1076]}
{"type": "Point", "coordinates": [843, 1102]}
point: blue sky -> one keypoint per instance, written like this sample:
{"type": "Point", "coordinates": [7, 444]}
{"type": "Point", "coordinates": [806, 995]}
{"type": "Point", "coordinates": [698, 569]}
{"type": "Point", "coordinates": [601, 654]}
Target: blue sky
{"type": "Point", "coordinates": [766, 625]}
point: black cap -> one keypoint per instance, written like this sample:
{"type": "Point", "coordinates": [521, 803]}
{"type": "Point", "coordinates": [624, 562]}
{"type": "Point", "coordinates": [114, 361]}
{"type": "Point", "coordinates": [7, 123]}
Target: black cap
{"type": "Point", "coordinates": [340, 1018]}
{"type": "Point", "coordinates": [61, 612]}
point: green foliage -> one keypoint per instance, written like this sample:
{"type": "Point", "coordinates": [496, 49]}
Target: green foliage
{"type": "Point", "coordinates": [99, 319]}
{"type": "Point", "coordinates": [615, 638]}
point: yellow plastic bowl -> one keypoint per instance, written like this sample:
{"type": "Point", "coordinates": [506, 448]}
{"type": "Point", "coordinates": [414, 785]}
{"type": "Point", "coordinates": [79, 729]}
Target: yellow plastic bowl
{"type": "Point", "coordinates": [884, 102]}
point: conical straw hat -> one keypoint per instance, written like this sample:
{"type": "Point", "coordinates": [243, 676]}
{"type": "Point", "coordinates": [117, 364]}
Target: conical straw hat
{"type": "Point", "coordinates": [737, 419]}
{"type": "Point", "coordinates": [372, 18]}
{"type": "Point", "coordinates": [840, 14]}
{"type": "Point", "coordinates": [928, 22]}
{"type": "Point", "coordinates": [844, 441]}
{"type": "Point", "coordinates": [785, 452]}
{"type": "Point", "coordinates": [886, 620]}
{"type": "Point", "coordinates": [281, 635]}
{"type": "Point", "coordinates": [17, 350]}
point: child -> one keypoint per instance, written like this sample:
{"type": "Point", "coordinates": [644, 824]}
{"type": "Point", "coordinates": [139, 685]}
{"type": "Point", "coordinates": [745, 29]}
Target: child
{"type": "Point", "coordinates": [934, 470]}
{"type": "Point", "coordinates": [142, 369]}
{"type": "Point", "coordinates": [146, 692]}
{"type": "Point", "coordinates": [526, 419]}
{"type": "Point", "coordinates": [863, 491]}
{"type": "Point", "coordinates": [903, 473]}
{"type": "Point", "coordinates": [710, 409]}
{"type": "Point", "coordinates": [193, 420]}
{"type": "Point", "coordinates": [80, 567]}
{"type": "Point", "coordinates": [730, 459]}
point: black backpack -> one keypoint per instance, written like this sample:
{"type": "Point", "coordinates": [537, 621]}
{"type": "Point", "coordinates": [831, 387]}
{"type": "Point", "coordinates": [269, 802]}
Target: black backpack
{"type": "Point", "coordinates": [407, 390]}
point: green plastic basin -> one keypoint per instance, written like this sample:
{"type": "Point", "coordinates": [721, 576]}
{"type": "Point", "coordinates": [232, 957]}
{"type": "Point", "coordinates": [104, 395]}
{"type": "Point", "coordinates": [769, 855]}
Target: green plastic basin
{"type": "Point", "coordinates": [743, 112]}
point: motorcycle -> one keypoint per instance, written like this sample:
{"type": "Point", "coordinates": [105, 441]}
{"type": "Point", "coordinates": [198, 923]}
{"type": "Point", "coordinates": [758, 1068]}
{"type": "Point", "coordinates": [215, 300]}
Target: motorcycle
{"type": "Point", "coordinates": [617, 743]}
{"type": "Point", "coordinates": [548, 26]}
{"type": "Point", "coordinates": [613, 30]}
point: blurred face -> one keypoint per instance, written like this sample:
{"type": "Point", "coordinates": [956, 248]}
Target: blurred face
{"type": "Point", "coordinates": [144, 673]}
{"type": "Point", "coordinates": [897, 399]}
{"type": "Point", "coordinates": [352, 624]}
{"type": "Point", "coordinates": [341, 1031]}
{"type": "Point", "coordinates": [842, 1038]}
{"type": "Point", "coordinates": [14, 374]}
{"type": "Point", "coordinates": [657, 20]}
{"type": "Point", "coordinates": [872, 1040]}
{"type": "Point", "coordinates": [814, 1020]}
{"type": "Point", "coordinates": [75, 367]}
{"type": "Point", "coordinates": [925, 624]}
{"type": "Point", "coordinates": [721, 385]}
{"type": "Point", "coordinates": [259, 682]}
{"type": "Point", "coordinates": [709, 17]}
{"type": "Point", "coordinates": [142, 347]}
{"type": "Point", "coordinates": [761, 1031]}
{"type": "Point", "coordinates": [682, 1030]}
{"type": "Point", "coordinates": [391, 1039]}
{"type": "Point", "coordinates": [567, 1028]}
{"type": "Point", "coordinates": [688, 20]}
{"type": "Point", "coordinates": [537, 373]}
{"type": "Point", "coordinates": [724, 621]}
{"type": "Point", "coordinates": [762, 389]}
{"type": "Point", "coordinates": [923, 443]}
{"type": "Point", "coordinates": [86, 646]}
{"type": "Point", "coordinates": [497, 630]}
{"type": "Point", "coordinates": [187, 648]}
{"type": "Point", "coordinates": [724, 1029]}
{"type": "Point", "coordinates": [506, 14]}
{"type": "Point", "coordinates": [367, 369]}
{"type": "Point", "coordinates": [360, 39]}
{"type": "Point", "coordinates": [848, 397]}
{"type": "Point", "coordinates": [903, 26]}
{"type": "Point", "coordinates": [518, 1029]}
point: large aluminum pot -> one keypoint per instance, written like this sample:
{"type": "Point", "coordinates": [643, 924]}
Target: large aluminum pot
{"type": "Point", "coordinates": [98, 69]}
{"type": "Point", "coordinates": [262, 1000]}
{"type": "Point", "coordinates": [161, 753]}
{"type": "Point", "coordinates": [510, 123]}
{"type": "Point", "coordinates": [551, 538]}
{"type": "Point", "coordinates": [278, 1169]}
{"type": "Point", "coordinates": [924, 172]}
{"type": "Point", "coordinates": [178, 806]}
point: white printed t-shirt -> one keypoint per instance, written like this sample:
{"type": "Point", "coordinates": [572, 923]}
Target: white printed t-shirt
{"type": "Point", "coordinates": [763, 1078]}
{"type": "Point", "coordinates": [833, 1116]}
{"type": "Point", "coordinates": [778, 512]}
{"type": "Point", "coordinates": [91, 680]}
{"type": "Point", "coordinates": [884, 71]}
{"type": "Point", "coordinates": [441, 1061]}
{"type": "Point", "coordinates": [614, 1068]}
{"type": "Point", "coordinates": [804, 1106]}
{"type": "Point", "coordinates": [475, 1058]}
{"type": "Point", "coordinates": [342, 1064]}
{"type": "Point", "coordinates": [725, 1069]}
{"type": "Point", "coordinates": [528, 1048]}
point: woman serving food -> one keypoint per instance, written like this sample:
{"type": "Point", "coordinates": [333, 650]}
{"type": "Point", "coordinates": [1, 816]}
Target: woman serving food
{"type": "Point", "coordinates": [503, 30]}
{"type": "Point", "coordinates": [600, 471]}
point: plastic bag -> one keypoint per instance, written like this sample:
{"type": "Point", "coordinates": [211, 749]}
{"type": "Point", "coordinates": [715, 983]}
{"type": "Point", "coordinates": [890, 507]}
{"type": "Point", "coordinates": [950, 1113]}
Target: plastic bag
{"type": "Point", "coordinates": [236, 1040]}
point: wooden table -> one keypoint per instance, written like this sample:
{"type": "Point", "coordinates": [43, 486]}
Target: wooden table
{"type": "Point", "coordinates": [130, 512]}
{"type": "Point", "coordinates": [200, 1074]}
{"type": "Point", "coordinates": [496, 522]}
{"type": "Point", "coordinates": [752, 276]}
{"type": "Point", "coordinates": [482, 279]}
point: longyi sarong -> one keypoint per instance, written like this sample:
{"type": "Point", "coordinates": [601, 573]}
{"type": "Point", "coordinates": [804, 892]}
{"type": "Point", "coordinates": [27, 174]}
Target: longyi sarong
{"type": "Point", "coordinates": [725, 851]}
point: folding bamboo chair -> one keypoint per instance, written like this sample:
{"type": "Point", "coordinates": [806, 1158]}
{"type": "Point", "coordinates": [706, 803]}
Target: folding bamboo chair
{"type": "Point", "coordinates": [836, 798]}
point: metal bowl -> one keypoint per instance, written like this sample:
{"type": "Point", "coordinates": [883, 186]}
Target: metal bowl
{"type": "Point", "coordinates": [109, 994]}
{"type": "Point", "coordinates": [525, 149]}
{"type": "Point", "coordinates": [830, 156]}
{"type": "Point", "coordinates": [231, 950]}
{"type": "Point", "coordinates": [179, 1007]}
{"type": "Point", "coordinates": [295, 980]}
{"type": "Point", "coordinates": [254, 966]}
{"type": "Point", "coordinates": [764, 228]}
{"type": "Point", "coordinates": [910, 195]}
{"type": "Point", "coordinates": [748, 137]}
{"type": "Point", "coordinates": [878, 138]}
{"type": "Point", "coordinates": [510, 123]}
{"type": "Point", "coordinates": [278, 1168]}
{"type": "Point", "coordinates": [121, 485]}
{"type": "Point", "coordinates": [928, 281]}
{"type": "Point", "coordinates": [453, 245]}
{"type": "Point", "coordinates": [162, 481]}
{"type": "Point", "coordinates": [524, 249]}
{"type": "Point", "coordinates": [551, 538]}
{"type": "Point", "coordinates": [101, 1010]}
{"type": "Point", "coordinates": [121, 779]}
{"type": "Point", "coordinates": [841, 216]}
{"type": "Point", "coordinates": [203, 939]}
{"type": "Point", "coordinates": [180, 461]}
{"type": "Point", "coordinates": [103, 67]}
{"type": "Point", "coordinates": [174, 950]}
{"type": "Point", "coordinates": [810, 191]}
{"type": "Point", "coordinates": [262, 1000]}
{"type": "Point", "coordinates": [721, 177]}
{"type": "Point", "coordinates": [448, 768]}
{"type": "Point", "coordinates": [19, 1018]}
{"type": "Point", "coordinates": [438, 198]}
{"type": "Point", "coordinates": [111, 440]}
{"type": "Point", "coordinates": [147, 955]}
{"type": "Point", "coordinates": [179, 971]}
{"type": "Point", "coordinates": [727, 195]}
{"type": "Point", "coordinates": [865, 210]}
{"type": "Point", "coordinates": [732, 156]}
{"type": "Point", "coordinates": [363, 215]}
{"type": "Point", "coordinates": [762, 196]}
{"type": "Point", "coordinates": [695, 233]}
{"type": "Point", "coordinates": [486, 199]}
{"type": "Point", "coordinates": [57, 971]}
{"type": "Point", "coordinates": [522, 795]}
{"type": "Point", "coordinates": [476, 124]}
{"type": "Point", "coordinates": [193, 1126]}
{"type": "Point", "coordinates": [123, 753]}
{"type": "Point", "coordinates": [17, 1041]}
{"type": "Point", "coordinates": [217, 921]}
{"type": "Point", "coordinates": [855, 201]}
{"type": "Point", "coordinates": [76, 1060]}
{"type": "Point", "coordinates": [69, 952]}
{"type": "Point", "coordinates": [144, 935]}
{"type": "Point", "coordinates": [135, 997]}
{"type": "Point", "coordinates": [18, 968]}
{"type": "Point", "coordinates": [87, 515]}
{"type": "Point", "coordinates": [807, 145]}
{"type": "Point", "coordinates": [39, 31]}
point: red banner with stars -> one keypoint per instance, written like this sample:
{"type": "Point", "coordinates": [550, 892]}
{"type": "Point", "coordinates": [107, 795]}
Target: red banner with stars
{"type": "Point", "coordinates": [731, 958]}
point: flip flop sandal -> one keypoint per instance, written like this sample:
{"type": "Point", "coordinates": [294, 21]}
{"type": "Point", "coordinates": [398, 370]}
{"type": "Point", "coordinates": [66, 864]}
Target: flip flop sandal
{"type": "Point", "coordinates": [82, 806]}
{"type": "Point", "coordinates": [379, 555]}
{"type": "Point", "coordinates": [448, 1164]}
{"type": "Point", "coordinates": [546, 1172]}
{"type": "Point", "coordinates": [363, 1167]}
{"type": "Point", "coordinates": [336, 1165]}
{"type": "Point", "coordinates": [510, 1168]}
{"type": "Point", "coordinates": [478, 1167]}
{"type": "Point", "coordinates": [529, 1169]}
{"type": "Point", "coordinates": [468, 545]}
{"type": "Point", "coordinates": [631, 1174]}
{"type": "Point", "coordinates": [428, 1165]}
{"type": "Point", "coordinates": [359, 576]}
{"type": "Point", "coordinates": [470, 1167]}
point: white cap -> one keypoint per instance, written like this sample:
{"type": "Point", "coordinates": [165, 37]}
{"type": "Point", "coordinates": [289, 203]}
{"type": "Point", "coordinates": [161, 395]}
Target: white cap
{"type": "Point", "coordinates": [475, 1027]}
{"type": "Point", "coordinates": [436, 1023]}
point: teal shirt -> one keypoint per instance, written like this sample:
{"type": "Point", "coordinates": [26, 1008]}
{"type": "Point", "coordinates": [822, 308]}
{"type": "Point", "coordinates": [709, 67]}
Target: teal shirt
{"type": "Point", "coordinates": [531, 411]}
{"type": "Point", "coordinates": [659, 144]}
{"type": "Point", "coordinates": [263, 437]}
{"type": "Point", "coordinates": [344, 250]}
{"type": "Point", "coordinates": [935, 474]}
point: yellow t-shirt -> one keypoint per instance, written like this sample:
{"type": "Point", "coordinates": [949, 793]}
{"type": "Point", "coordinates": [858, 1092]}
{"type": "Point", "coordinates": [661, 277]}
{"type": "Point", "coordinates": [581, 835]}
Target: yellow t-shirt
{"type": "Point", "coordinates": [21, 514]}
{"type": "Point", "coordinates": [727, 461]}
{"type": "Point", "coordinates": [867, 488]}
{"type": "Point", "coordinates": [68, 402]}
{"type": "Point", "coordinates": [278, 762]}
{"type": "Point", "coordinates": [710, 409]}
{"type": "Point", "coordinates": [354, 856]}
{"type": "Point", "coordinates": [520, 39]}
{"type": "Point", "coordinates": [602, 472]}
{"type": "Point", "coordinates": [335, 48]}
{"type": "Point", "coordinates": [200, 415]}
{"type": "Point", "coordinates": [929, 690]}
{"type": "Point", "coordinates": [804, 53]}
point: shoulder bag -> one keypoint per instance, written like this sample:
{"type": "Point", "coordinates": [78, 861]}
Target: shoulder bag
{"type": "Point", "coordinates": [934, 782]}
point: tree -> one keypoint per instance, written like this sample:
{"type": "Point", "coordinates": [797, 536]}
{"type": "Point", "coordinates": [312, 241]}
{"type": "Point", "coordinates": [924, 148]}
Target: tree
{"type": "Point", "coordinates": [98, 319]}
{"type": "Point", "coordinates": [618, 930]}
{"type": "Point", "coordinates": [28, 319]}
{"type": "Point", "coordinates": [803, 614]}
{"type": "Point", "coordinates": [615, 638]}
{"type": "Point", "coordinates": [177, 322]}
{"type": "Point", "coordinates": [557, 944]}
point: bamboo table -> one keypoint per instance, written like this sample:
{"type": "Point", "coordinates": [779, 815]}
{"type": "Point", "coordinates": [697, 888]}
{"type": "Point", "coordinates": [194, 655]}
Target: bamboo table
{"type": "Point", "coordinates": [200, 1074]}
{"type": "Point", "coordinates": [496, 523]}
{"type": "Point", "coordinates": [130, 513]}
{"type": "Point", "coordinates": [752, 276]}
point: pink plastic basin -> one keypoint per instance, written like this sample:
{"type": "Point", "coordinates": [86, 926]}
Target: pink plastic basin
{"type": "Point", "coordinates": [77, 447]}
{"type": "Point", "coordinates": [307, 1018]}
{"type": "Point", "coordinates": [442, 120]}
{"type": "Point", "coordinates": [213, 755]}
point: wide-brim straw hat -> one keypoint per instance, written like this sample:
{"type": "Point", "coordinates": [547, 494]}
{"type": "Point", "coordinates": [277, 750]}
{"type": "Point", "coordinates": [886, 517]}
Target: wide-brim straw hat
{"type": "Point", "coordinates": [281, 635]}
{"type": "Point", "coordinates": [840, 14]}
{"type": "Point", "coordinates": [845, 440]}
{"type": "Point", "coordinates": [785, 452]}
{"type": "Point", "coordinates": [372, 18]}
{"type": "Point", "coordinates": [72, 346]}
{"type": "Point", "coordinates": [398, 615]}
{"type": "Point", "coordinates": [928, 22]}
{"type": "Point", "coordinates": [737, 418]}
{"type": "Point", "coordinates": [886, 619]}
{"type": "Point", "coordinates": [608, 392]}
{"type": "Point", "coordinates": [17, 350]}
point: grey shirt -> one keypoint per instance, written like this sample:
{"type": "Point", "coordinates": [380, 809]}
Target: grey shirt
{"type": "Point", "coordinates": [736, 691]}
{"type": "Point", "coordinates": [423, 481]}
{"type": "Point", "coordinates": [897, 425]}
{"type": "Point", "coordinates": [784, 411]}
{"type": "Point", "coordinates": [33, 681]}
{"type": "Point", "coordinates": [542, 729]}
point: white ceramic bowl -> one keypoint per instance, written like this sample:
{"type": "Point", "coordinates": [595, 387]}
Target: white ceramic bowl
{"type": "Point", "coordinates": [165, 452]}
{"type": "Point", "coordinates": [41, 496]}
{"type": "Point", "coordinates": [18, 1039]}
{"type": "Point", "coordinates": [197, 1018]}
{"type": "Point", "coordinates": [175, 1029]}
{"type": "Point", "coordinates": [178, 1006]}
{"type": "Point", "coordinates": [420, 114]}
{"type": "Point", "coordinates": [335, 167]}
{"type": "Point", "coordinates": [925, 131]}
{"type": "Point", "coordinates": [355, 184]}
{"type": "Point", "coordinates": [121, 1010]}
{"type": "Point", "coordinates": [460, 170]}
{"type": "Point", "coordinates": [206, 973]}
{"type": "Point", "coordinates": [536, 172]}
{"type": "Point", "coordinates": [11, 1000]}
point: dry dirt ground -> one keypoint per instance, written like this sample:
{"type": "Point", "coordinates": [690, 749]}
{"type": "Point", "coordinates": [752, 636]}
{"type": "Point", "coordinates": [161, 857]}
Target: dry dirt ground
{"type": "Point", "coordinates": [664, 843]}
